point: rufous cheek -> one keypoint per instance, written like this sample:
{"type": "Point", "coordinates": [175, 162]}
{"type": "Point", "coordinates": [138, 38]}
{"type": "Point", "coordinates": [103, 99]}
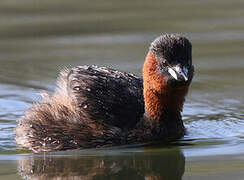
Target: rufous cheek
{"type": "Point", "coordinates": [151, 77]}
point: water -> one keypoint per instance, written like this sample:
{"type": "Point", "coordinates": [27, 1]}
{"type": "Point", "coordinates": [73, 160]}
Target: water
{"type": "Point", "coordinates": [39, 38]}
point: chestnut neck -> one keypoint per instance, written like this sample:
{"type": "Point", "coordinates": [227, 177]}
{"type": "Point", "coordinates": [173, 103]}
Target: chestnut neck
{"type": "Point", "coordinates": [163, 103]}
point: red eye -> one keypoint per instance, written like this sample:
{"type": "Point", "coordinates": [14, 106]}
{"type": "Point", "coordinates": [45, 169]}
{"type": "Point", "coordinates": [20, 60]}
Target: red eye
{"type": "Point", "coordinates": [165, 63]}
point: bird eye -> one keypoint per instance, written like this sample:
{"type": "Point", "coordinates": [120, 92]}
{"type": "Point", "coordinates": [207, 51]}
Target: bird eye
{"type": "Point", "coordinates": [165, 63]}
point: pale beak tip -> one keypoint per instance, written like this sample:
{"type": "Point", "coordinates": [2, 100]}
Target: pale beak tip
{"type": "Point", "coordinates": [186, 79]}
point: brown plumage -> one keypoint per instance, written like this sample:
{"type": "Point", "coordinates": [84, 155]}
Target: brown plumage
{"type": "Point", "coordinates": [96, 106]}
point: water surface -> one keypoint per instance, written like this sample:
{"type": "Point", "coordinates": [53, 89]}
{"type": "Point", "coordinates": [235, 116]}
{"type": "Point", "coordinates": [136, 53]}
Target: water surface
{"type": "Point", "coordinates": [40, 38]}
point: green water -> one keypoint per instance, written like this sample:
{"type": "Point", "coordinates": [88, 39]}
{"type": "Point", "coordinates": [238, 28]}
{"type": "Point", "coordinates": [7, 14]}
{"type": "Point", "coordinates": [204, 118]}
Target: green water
{"type": "Point", "coordinates": [39, 38]}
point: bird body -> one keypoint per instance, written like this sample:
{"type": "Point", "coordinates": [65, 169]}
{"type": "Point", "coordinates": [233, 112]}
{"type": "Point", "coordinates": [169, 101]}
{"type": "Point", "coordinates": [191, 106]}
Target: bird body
{"type": "Point", "coordinates": [97, 106]}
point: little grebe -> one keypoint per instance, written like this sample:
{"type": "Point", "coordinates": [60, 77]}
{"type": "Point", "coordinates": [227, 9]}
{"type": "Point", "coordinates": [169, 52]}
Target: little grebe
{"type": "Point", "coordinates": [96, 106]}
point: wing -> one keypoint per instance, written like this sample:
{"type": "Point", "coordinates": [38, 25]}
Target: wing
{"type": "Point", "coordinates": [107, 95]}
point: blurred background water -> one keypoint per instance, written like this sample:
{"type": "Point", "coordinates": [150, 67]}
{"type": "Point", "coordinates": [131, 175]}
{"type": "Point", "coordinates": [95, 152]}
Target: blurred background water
{"type": "Point", "coordinates": [38, 38]}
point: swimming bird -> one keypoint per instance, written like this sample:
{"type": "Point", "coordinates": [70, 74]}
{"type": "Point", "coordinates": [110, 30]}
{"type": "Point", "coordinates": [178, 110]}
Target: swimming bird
{"type": "Point", "coordinates": [98, 106]}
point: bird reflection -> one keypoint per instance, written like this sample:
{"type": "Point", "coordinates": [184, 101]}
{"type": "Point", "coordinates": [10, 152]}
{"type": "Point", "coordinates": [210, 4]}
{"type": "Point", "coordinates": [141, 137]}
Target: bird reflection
{"type": "Point", "coordinates": [168, 165]}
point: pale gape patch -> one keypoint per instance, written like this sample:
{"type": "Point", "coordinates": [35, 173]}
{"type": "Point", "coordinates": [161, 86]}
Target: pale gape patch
{"type": "Point", "coordinates": [172, 73]}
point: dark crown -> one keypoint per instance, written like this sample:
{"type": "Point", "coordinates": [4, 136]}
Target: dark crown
{"type": "Point", "coordinates": [172, 47]}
